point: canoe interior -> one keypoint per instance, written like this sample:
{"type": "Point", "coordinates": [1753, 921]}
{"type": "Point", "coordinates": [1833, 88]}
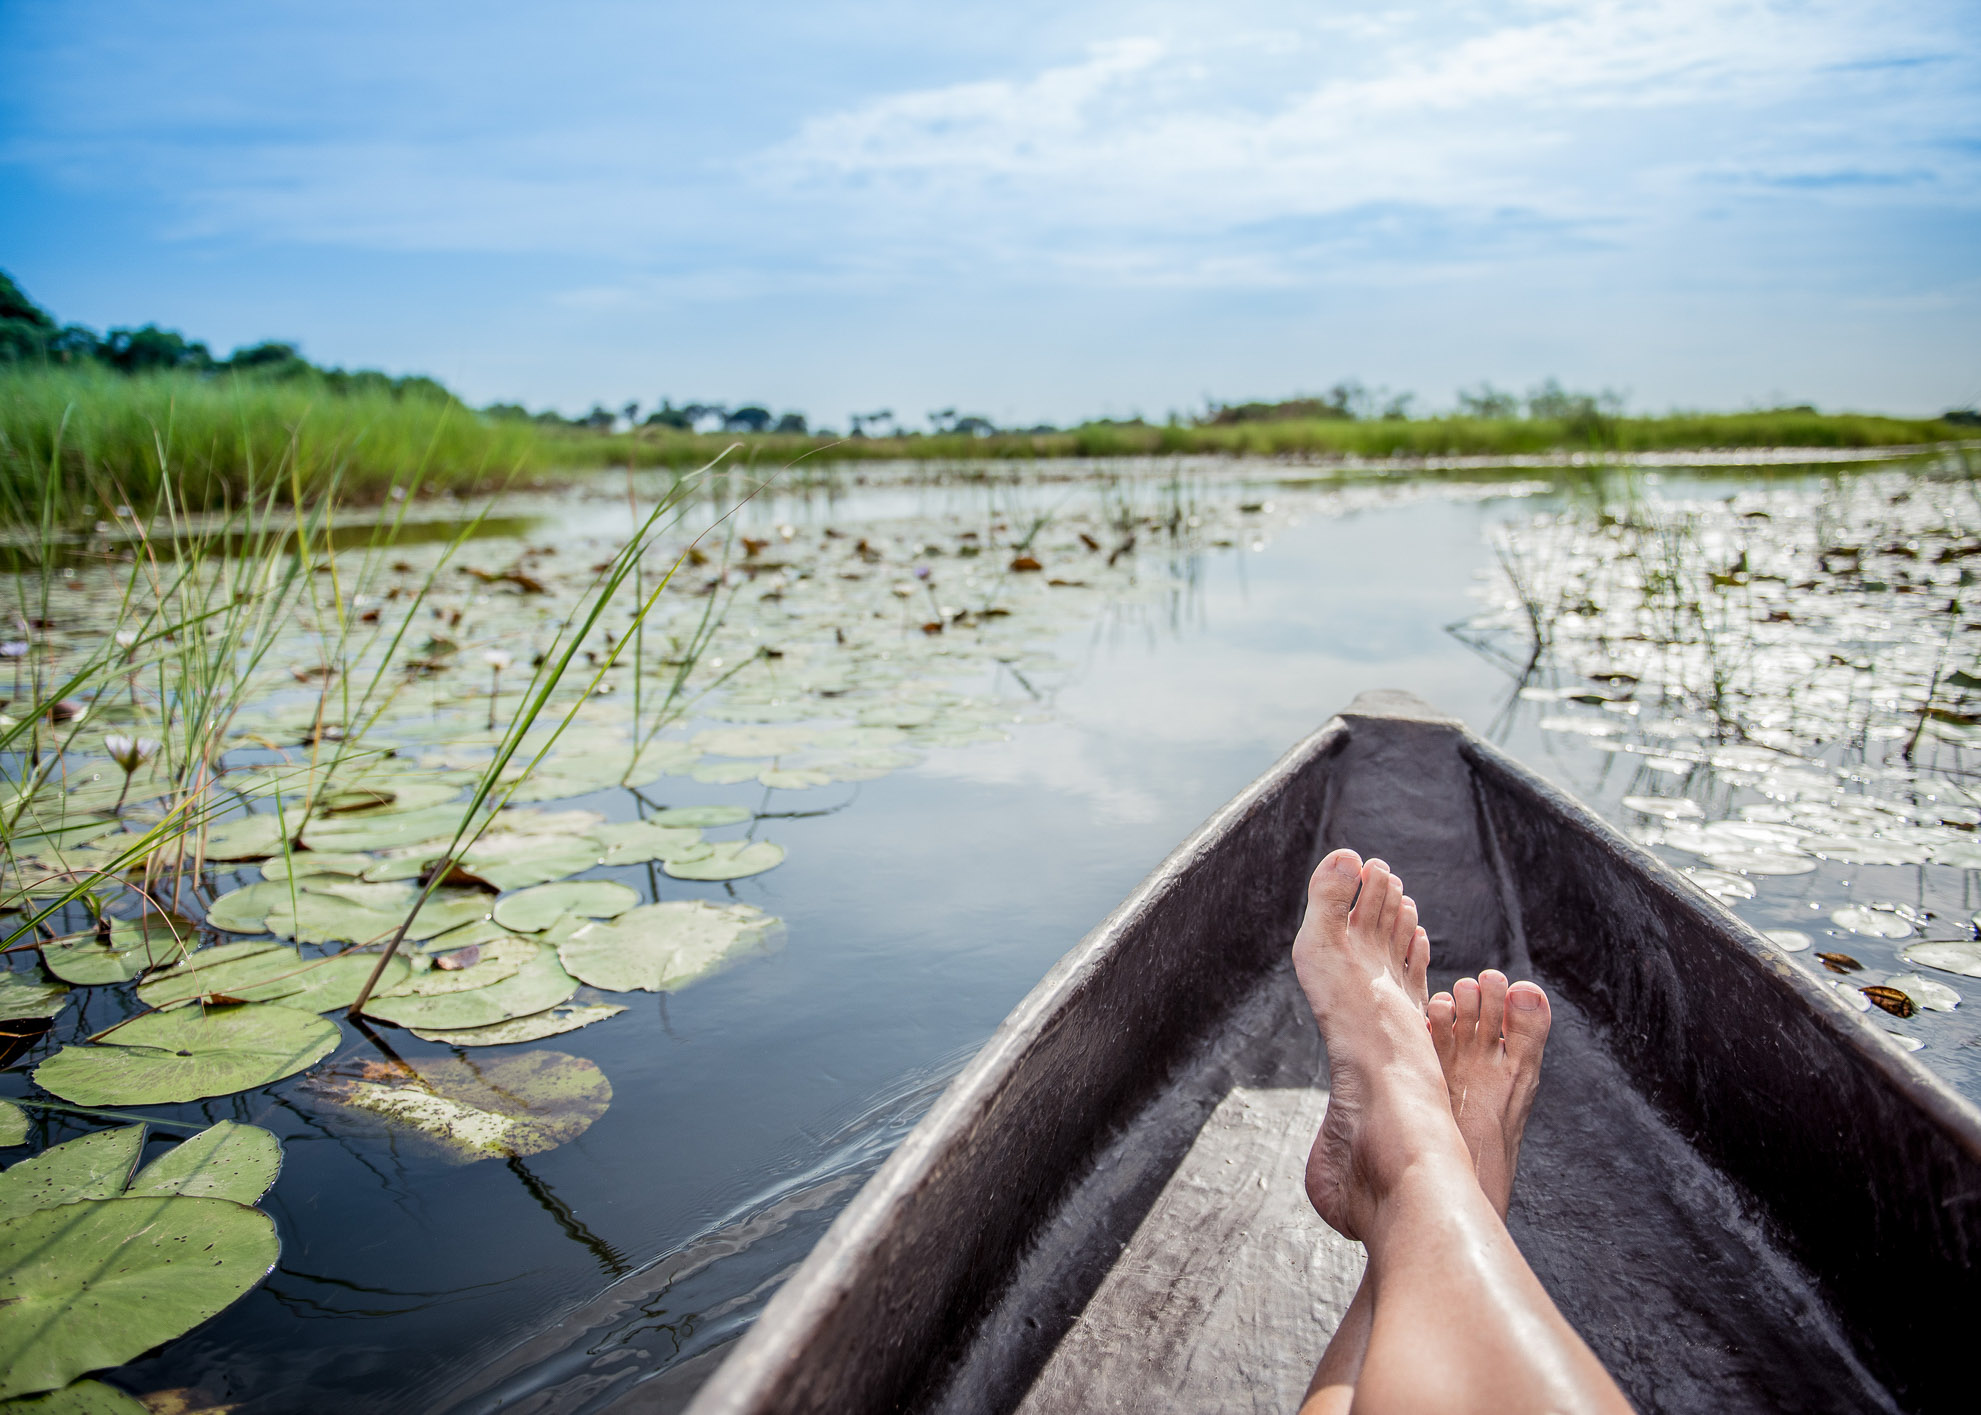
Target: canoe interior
{"type": "Point", "coordinates": [1738, 1191]}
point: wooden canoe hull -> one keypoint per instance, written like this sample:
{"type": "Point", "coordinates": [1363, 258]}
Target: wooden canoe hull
{"type": "Point", "coordinates": [1739, 1191]}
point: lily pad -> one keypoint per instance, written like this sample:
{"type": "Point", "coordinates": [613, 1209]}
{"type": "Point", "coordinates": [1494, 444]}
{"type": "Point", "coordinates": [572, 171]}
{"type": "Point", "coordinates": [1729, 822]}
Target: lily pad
{"type": "Point", "coordinates": [535, 1027]}
{"type": "Point", "coordinates": [245, 838]}
{"type": "Point", "coordinates": [133, 948]}
{"type": "Point", "coordinates": [1934, 997]}
{"type": "Point", "coordinates": [750, 741]}
{"type": "Point", "coordinates": [1671, 808]}
{"type": "Point", "coordinates": [1961, 854]}
{"type": "Point", "coordinates": [13, 1124]}
{"type": "Point", "coordinates": [333, 918]}
{"type": "Point", "coordinates": [1872, 923]}
{"type": "Point", "coordinates": [510, 861]}
{"type": "Point", "coordinates": [189, 1054]}
{"type": "Point", "coordinates": [701, 817]}
{"type": "Point", "coordinates": [631, 842]}
{"type": "Point", "coordinates": [299, 863]}
{"type": "Point", "coordinates": [1864, 850]}
{"type": "Point", "coordinates": [541, 984]}
{"type": "Point", "coordinates": [25, 996]}
{"type": "Point", "coordinates": [1787, 940]}
{"type": "Point", "coordinates": [1761, 862]}
{"type": "Point", "coordinates": [1720, 884]}
{"type": "Point", "coordinates": [500, 959]}
{"type": "Point", "coordinates": [480, 931]}
{"type": "Point", "coordinates": [224, 1161]}
{"type": "Point", "coordinates": [96, 1166]}
{"type": "Point", "coordinates": [270, 974]}
{"type": "Point", "coordinates": [1961, 958]}
{"type": "Point", "coordinates": [100, 1282]}
{"type": "Point", "coordinates": [368, 832]}
{"type": "Point", "coordinates": [507, 1106]}
{"type": "Point", "coordinates": [794, 778]}
{"type": "Point", "coordinates": [536, 909]}
{"type": "Point", "coordinates": [661, 947]}
{"type": "Point", "coordinates": [726, 773]}
{"type": "Point", "coordinates": [729, 859]}
{"type": "Point", "coordinates": [245, 910]}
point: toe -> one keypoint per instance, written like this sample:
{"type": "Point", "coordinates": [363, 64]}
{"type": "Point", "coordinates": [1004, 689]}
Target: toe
{"type": "Point", "coordinates": [1492, 1004]}
{"type": "Point", "coordinates": [1369, 903]}
{"type": "Point", "coordinates": [1417, 964]}
{"type": "Point", "coordinates": [1465, 994]}
{"type": "Point", "coordinates": [1526, 1024]}
{"type": "Point", "coordinates": [1439, 1012]}
{"type": "Point", "coordinates": [1332, 888]}
{"type": "Point", "coordinates": [1404, 928]}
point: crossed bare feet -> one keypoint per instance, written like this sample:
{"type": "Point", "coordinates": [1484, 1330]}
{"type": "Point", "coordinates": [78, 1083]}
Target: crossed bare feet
{"type": "Point", "coordinates": [1363, 971]}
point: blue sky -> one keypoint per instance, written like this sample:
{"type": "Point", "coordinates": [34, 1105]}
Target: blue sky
{"type": "Point", "coordinates": [1027, 210]}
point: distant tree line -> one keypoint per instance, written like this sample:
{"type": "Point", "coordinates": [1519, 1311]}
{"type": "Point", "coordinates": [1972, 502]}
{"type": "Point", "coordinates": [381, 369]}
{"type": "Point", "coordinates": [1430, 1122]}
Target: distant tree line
{"type": "Point", "coordinates": [29, 334]}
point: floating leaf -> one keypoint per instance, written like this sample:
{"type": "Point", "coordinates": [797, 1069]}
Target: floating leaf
{"type": "Point", "coordinates": [510, 861]}
{"type": "Point", "coordinates": [83, 959]}
{"type": "Point", "coordinates": [332, 918]}
{"type": "Point", "coordinates": [245, 910]}
{"type": "Point", "coordinates": [268, 972]}
{"type": "Point", "coordinates": [480, 931]}
{"type": "Point", "coordinates": [367, 832]}
{"type": "Point", "coordinates": [661, 947]}
{"type": "Point", "coordinates": [700, 817]}
{"type": "Point", "coordinates": [13, 1124]}
{"type": "Point", "coordinates": [496, 961]}
{"type": "Point", "coordinates": [299, 863]}
{"type": "Point", "coordinates": [1787, 940]}
{"type": "Point", "coordinates": [1864, 850]}
{"type": "Point", "coordinates": [1671, 808]}
{"type": "Point", "coordinates": [245, 838]}
{"type": "Point", "coordinates": [1890, 999]}
{"type": "Point", "coordinates": [541, 984]}
{"type": "Point", "coordinates": [533, 1028]}
{"type": "Point", "coordinates": [1872, 923]}
{"type": "Point", "coordinates": [1761, 862]}
{"type": "Point", "coordinates": [751, 741]}
{"type": "Point", "coordinates": [507, 1106]}
{"type": "Point", "coordinates": [536, 909]}
{"type": "Point", "coordinates": [23, 996]}
{"type": "Point", "coordinates": [189, 1054]}
{"type": "Point", "coordinates": [1960, 854]}
{"type": "Point", "coordinates": [729, 859]}
{"type": "Point", "coordinates": [727, 773]}
{"type": "Point", "coordinates": [373, 799]}
{"type": "Point", "coordinates": [96, 1166]}
{"type": "Point", "coordinates": [101, 1282]}
{"type": "Point", "coordinates": [1840, 963]}
{"type": "Point", "coordinates": [1853, 996]}
{"type": "Point", "coordinates": [1961, 958]}
{"type": "Point", "coordinates": [224, 1161]}
{"type": "Point", "coordinates": [631, 842]}
{"type": "Point", "coordinates": [1720, 884]}
{"type": "Point", "coordinates": [1934, 997]}
{"type": "Point", "coordinates": [794, 778]}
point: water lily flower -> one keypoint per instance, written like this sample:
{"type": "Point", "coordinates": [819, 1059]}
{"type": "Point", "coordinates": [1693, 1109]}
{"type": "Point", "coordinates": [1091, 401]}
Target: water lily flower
{"type": "Point", "coordinates": [130, 753]}
{"type": "Point", "coordinates": [498, 659]}
{"type": "Point", "coordinates": [14, 648]}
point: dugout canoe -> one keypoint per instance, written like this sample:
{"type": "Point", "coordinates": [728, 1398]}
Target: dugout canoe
{"type": "Point", "coordinates": [1736, 1187]}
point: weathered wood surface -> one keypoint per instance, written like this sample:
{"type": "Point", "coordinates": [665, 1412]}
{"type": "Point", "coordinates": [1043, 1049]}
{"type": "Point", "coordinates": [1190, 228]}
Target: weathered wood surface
{"type": "Point", "coordinates": [1735, 1188]}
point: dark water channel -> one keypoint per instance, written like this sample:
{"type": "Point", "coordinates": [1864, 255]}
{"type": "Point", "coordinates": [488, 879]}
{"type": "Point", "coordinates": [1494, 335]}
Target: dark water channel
{"type": "Point", "coordinates": [918, 909]}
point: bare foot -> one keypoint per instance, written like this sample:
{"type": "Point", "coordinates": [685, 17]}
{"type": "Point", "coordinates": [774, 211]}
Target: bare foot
{"type": "Point", "coordinates": [1388, 1110]}
{"type": "Point", "coordinates": [1489, 1038]}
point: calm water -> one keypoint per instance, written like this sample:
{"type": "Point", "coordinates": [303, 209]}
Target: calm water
{"type": "Point", "coordinates": [918, 909]}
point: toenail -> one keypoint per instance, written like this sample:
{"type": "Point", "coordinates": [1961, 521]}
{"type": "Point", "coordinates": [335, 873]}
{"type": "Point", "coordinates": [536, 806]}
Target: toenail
{"type": "Point", "coordinates": [1524, 1000]}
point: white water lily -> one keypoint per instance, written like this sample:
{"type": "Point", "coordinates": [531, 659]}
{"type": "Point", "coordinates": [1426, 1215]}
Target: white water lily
{"type": "Point", "coordinates": [498, 659]}
{"type": "Point", "coordinates": [130, 753]}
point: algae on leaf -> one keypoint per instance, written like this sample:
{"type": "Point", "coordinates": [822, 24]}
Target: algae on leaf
{"type": "Point", "coordinates": [99, 1282]}
{"type": "Point", "coordinates": [226, 1160]}
{"type": "Point", "coordinates": [506, 1106]}
{"type": "Point", "coordinates": [95, 1166]}
{"type": "Point", "coordinates": [189, 1054]}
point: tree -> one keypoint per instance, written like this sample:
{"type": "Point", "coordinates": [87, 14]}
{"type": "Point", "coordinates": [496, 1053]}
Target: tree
{"type": "Point", "coordinates": [791, 423]}
{"type": "Point", "coordinates": [632, 412]}
{"type": "Point", "coordinates": [26, 329]}
{"type": "Point", "coordinates": [750, 418]}
{"type": "Point", "coordinates": [1488, 402]}
{"type": "Point", "coordinates": [149, 348]}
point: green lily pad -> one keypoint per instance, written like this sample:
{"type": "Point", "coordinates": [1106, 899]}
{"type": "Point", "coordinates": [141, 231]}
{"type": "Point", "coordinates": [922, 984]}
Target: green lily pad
{"type": "Point", "coordinates": [535, 1027]}
{"type": "Point", "coordinates": [751, 741]}
{"type": "Point", "coordinates": [507, 1106]}
{"type": "Point", "coordinates": [729, 859]}
{"type": "Point", "coordinates": [1873, 923]}
{"type": "Point", "coordinates": [501, 959]}
{"type": "Point", "coordinates": [1959, 958]}
{"type": "Point", "coordinates": [661, 947]}
{"type": "Point", "coordinates": [480, 931]}
{"type": "Point", "coordinates": [332, 918]}
{"type": "Point", "coordinates": [189, 1054]}
{"type": "Point", "coordinates": [368, 832]}
{"type": "Point", "coordinates": [299, 863]}
{"type": "Point", "coordinates": [701, 817]}
{"type": "Point", "coordinates": [270, 974]}
{"type": "Point", "coordinates": [245, 910]}
{"type": "Point", "coordinates": [542, 984]}
{"type": "Point", "coordinates": [727, 773]}
{"type": "Point", "coordinates": [518, 861]}
{"type": "Point", "coordinates": [133, 949]}
{"type": "Point", "coordinates": [245, 838]}
{"type": "Point", "coordinates": [13, 1124]}
{"type": "Point", "coordinates": [794, 778]}
{"type": "Point", "coordinates": [224, 1161]}
{"type": "Point", "coordinates": [77, 1398]}
{"type": "Point", "coordinates": [25, 996]}
{"type": "Point", "coordinates": [96, 1166]}
{"type": "Point", "coordinates": [100, 1282]}
{"type": "Point", "coordinates": [537, 909]}
{"type": "Point", "coordinates": [631, 842]}
{"type": "Point", "coordinates": [374, 798]}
